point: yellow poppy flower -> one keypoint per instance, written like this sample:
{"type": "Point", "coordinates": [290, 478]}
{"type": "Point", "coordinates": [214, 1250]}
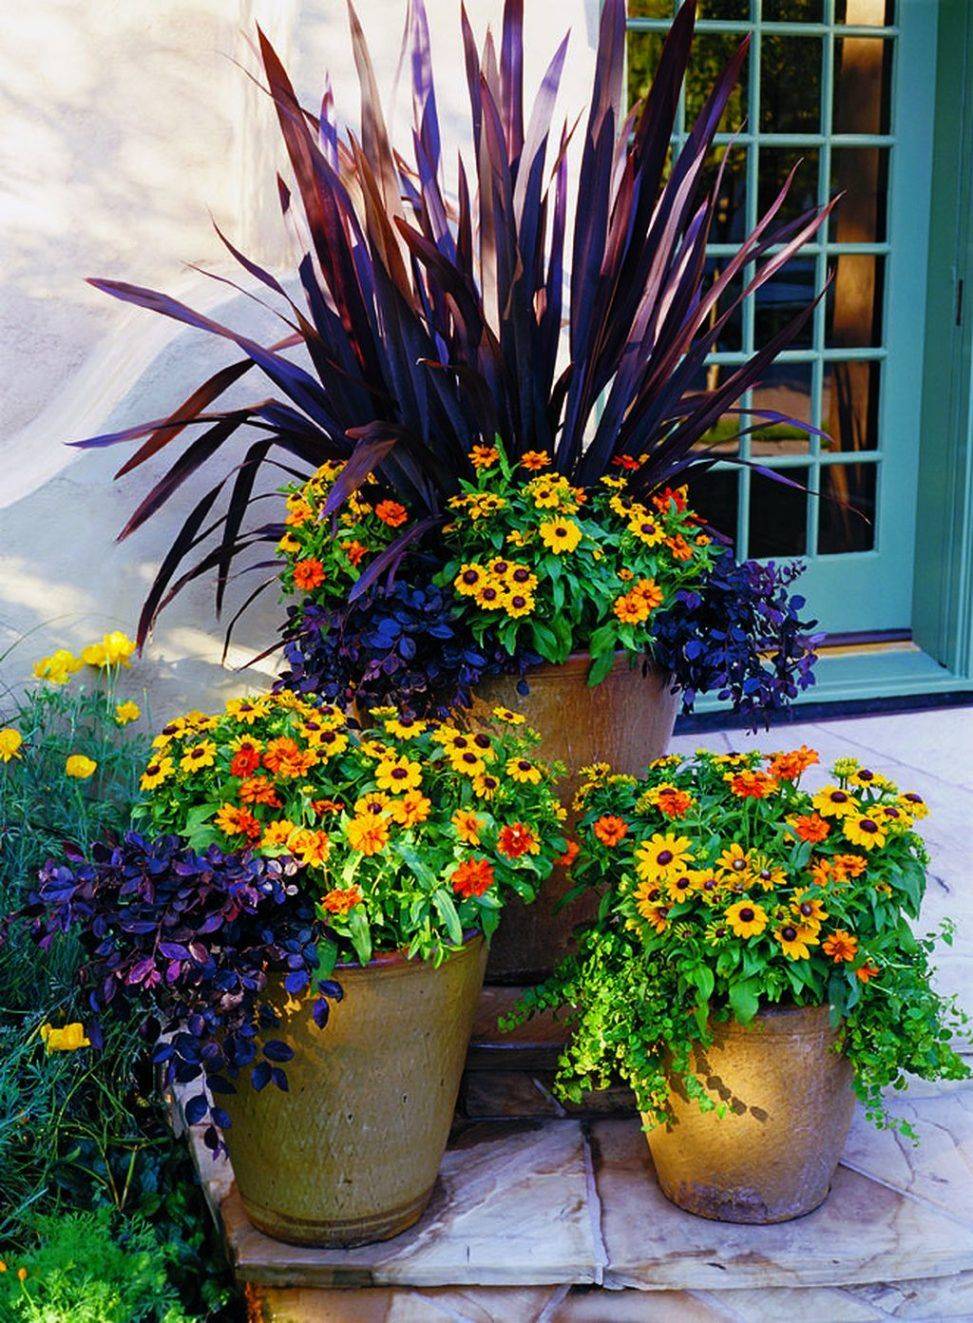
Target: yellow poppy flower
{"type": "Point", "coordinates": [126, 712]}
{"type": "Point", "coordinates": [560, 535]}
{"type": "Point", "coordinates": [58, 667]}
{"type": "Point", "coordinates": [118, 647]}
{"type": "Point", "coordinates": [80, 767]}
{"type": "Point", "coordinates": [68, 1039]}
{"type": "Point", "coordinates": [10, 742]}
{"type": "Point", "coordinates": [746, 918]}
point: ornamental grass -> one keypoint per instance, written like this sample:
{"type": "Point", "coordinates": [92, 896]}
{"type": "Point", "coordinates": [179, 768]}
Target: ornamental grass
{"type": "Point", "coordinates": [726, 888]}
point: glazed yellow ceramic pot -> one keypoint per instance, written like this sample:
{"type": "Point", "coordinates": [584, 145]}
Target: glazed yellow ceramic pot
{"type": "Point", "coordinates": [627, 721]}
{"type": "Point", "coordinates": [789, 1102]}
{"type": "Point", "coordinates": [350, 1153]}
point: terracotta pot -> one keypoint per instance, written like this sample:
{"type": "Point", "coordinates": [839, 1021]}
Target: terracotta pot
{"type": "Point", "coordinates": [627, 721]}
{"type": "Point", "coordinates": [772, 1156]}
{"type": "Point", "coordinates": [350, 1154]}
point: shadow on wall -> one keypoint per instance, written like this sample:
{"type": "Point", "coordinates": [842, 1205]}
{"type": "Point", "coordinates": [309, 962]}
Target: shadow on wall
{"type": "Point", "coordinates": [64, 579]}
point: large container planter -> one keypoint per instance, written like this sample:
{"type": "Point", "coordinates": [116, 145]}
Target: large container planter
{"type": "Point", "coordinates": [350, 1153]}
{"type": "Point", "coordinates": [627, 721]}
{"type": "Point", "coordinates": [789, 1101]}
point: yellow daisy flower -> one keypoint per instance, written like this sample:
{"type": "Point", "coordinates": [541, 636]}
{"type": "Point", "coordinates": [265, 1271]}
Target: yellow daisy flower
{"type": "Point", "coordinates": [796, 940]}
{"type": "Point", "coordinates": [560, 535]}
{"type": "Point", "coordinates": [157, 771]}
{"type": "Point", "coordinates": [519, 769]}
{"type": "Point", "coordinates": [199, 755]}
{"type": "Point", "coordinates": [746, 918]}
{"type": "Point", "coordinates": [662, 855]}
{"type": "Point", "coordinates": [864, 830]}
{"type": "Point", "coordinates": [398, 775]}
{"type": "Point", "coordinates": [10, 742]}
{"type": "Point", "coordinates": [833, 802]}
{"type": "Point", "coordinates": [505, 714]}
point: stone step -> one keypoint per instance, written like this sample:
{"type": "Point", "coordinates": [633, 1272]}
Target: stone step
{"type": "Point", "coordinates": [544, 1209]}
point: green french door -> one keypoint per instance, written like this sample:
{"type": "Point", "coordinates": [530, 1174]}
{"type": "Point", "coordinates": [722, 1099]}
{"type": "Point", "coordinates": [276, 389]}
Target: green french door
{"type": "Point", "coordinates": [847, 88]}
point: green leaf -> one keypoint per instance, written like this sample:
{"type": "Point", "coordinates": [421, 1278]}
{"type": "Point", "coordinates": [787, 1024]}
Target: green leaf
{"type": "Point", "coordinates": [599, 668]}
{"type": "Point", "coordinates": [327, 958]}
{"type": "Point", "coordinates": [602, 640]}
{"type": "Point", "coordinates": [418, 867]}
{"type": "Point", "coordinates": [360, 934]}
{"type": "Point", "coordinates": [443, 902]}
{"type": "Point", "coordinates": [545, 641]}
{"type": "Point", "coordinates": [744, 1000]}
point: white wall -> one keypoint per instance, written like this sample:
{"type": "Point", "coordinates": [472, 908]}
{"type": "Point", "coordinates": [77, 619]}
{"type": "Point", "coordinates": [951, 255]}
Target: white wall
{"type": "Point", "coordinates": [124, 124]}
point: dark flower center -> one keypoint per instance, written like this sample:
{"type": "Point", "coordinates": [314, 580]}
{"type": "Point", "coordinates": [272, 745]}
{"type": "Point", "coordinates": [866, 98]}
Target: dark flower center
{"type": "Point", "coordinates": [789, 934]}
{"type": "Point", "coordinates": [807, 909]}
{"type": "Point", "coordinates": [866, 774]}
{"type": "Point", "coordinates": [518, 602]}
{"type": "Point", "coordinates": [524, 766]}
{"type": "Point", "coordinates": [501, 567]}
{"type": "Point", "coordinates": [521, 576]}
{"type": "Point", "coordinates": [720, 931]}
{"type": "Point", "coordinates": [739, 865]}
{"type": "Point", "coordinates": [746, 914]}
{"type": "Point", "coordinates": [765, 874]}
{"type": "Point", "coordinates": [664, 857]}
{"type": "Point", "coordinates": [152, 769]}
{"type": "Point", "coordinates": [682, 883]}
{"type": "Point", "coordinates": [399, 772]}
{"type": "Point", "coordinates": [470, 576]}
{"type": "Point", "coordinates": [866, 824]}
{"type": "Point", "coordinates": [560, 531]}
{"type": "Point", "coordinates": [839, 797]}
{"type": "Point", "coordinates": [710, 884]}
{"type": "Point", "coordinates": [914, 798]}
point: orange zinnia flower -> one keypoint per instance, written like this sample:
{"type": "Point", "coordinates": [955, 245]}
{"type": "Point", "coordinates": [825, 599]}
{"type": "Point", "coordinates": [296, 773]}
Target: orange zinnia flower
{"type": "Point", "coordinates": [517, 840]}
{"type": "Point", "coordinates": [245, 760]}
{"type": "Point", "coordinates": [259, 790]}
{"type": "Point", "coordinates": [284, 757]}
{"type": "Point", "coordinates": [812, 827]}
{"type": "Point", "coordinates": [866, 972]}
{"type": "Point", "coordinates": [472, 877]}
{"type": "Point", "coordinates": [752, 785]}
{"type": "Point", "coordinates": [789, 766]}
{"type": "Point", "coordinates": [323, 806]}
{"type": "Point", "coordinates": [342, 899]}
{"type": "Point", "coordinates": [571, 852]}
{"type": "Point", "coordinates": [535, 460]}
{"type": "Point", "coordinates": [308, 574]}
{"type": "Point", "coordinates": [848, 865]}
{"type": "Point", "coordinates": [354, 551]}
{"type": "Point", "coordinates": [840, 946]}
{"type": "Point", "coordinates": [677, 497]}
{"type": "Point", "coordinates": [610, 829]}
{"type": "Point", "coordinates": [680, 548]}
{"type": "Point", "coordinates": [391, 513]}
{"type": "Point", "coordinates": [628, 462]}
{"type": "Point", "coordinates": [672, 802]}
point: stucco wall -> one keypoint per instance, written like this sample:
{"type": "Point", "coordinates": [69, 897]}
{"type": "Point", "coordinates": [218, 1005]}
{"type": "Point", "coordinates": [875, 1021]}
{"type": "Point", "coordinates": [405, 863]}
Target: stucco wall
{"type": "Point", "coordinates": [125, 123]}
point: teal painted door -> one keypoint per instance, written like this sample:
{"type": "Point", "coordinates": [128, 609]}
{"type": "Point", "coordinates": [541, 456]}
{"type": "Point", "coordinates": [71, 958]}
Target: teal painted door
{"type": "Point", "coordinates": [847, 88]}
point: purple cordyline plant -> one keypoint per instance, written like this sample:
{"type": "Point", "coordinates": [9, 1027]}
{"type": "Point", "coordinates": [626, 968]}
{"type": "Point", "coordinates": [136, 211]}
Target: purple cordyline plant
{"type": "Point", "coordinates": [189, 938]}
{"type": "Point", "coordinates": [432, 321]}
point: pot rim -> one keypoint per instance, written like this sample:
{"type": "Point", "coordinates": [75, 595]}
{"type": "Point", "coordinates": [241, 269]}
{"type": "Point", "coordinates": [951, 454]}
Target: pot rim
{"type": "Point", "coordinates": [393, 959]}
{"type": "Point", "coordinates": [578, 661]}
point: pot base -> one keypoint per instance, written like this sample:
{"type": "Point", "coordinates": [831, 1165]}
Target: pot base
{"type": "Point", "coordinates": [346, 1234]}
{"type": "Point", "coordinates": [743, 1206]}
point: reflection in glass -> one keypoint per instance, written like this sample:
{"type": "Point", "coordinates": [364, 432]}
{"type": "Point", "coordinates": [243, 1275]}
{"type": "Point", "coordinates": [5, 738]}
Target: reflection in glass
{"type": "Point", "coordinates": [793, 11]}
{"type": "Point", "coordinates": [723, 9]}
{"type": "Point", "coordinates": [784, 388]}
{"type": "Point", "coordinates": [849, 406]}
{"type": "Point", "coordinates": [861, 174]}
{"type": "Point", "coordinates": [731, 336]}
{"type": "Point", "coordinates": [723, 437]}
{"type": "Point", "coordinates": [790, 84]}
{"type": "Point", "coordinates": [862, 73]}
{"type": "Point", "coordinates": [780, 300]}
{"type": "Point", "coordinates": [714, 495]}
{"type": "Point", "coordinates": [853, 304]}
{"type": "Point", "coordinates": [865, 13]}
{"type": "Point", "coordinates": [711, 53]}
{"type": "Point", "coordinates": [846, 511]}
{"type": "Point", "coordinates": [644, 49]}
{"type": "Point", "coordinates": [775, 163]}
{"type": "Point", "coordinates": [650, 8]}
{"type": "Point", "coordinates": [778, 514]}
{"type": "Point", "coordinates": [730, 218]}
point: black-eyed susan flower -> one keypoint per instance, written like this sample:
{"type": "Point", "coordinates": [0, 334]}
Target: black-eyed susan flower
{"type": "Point", "coordinates": [156, 773]}
{"type": "Point", "coordinates": [490, 596]}
{"type": "Point", "coordinates": [485, 785]}
{"type": "Point", "coordinates": [682, 884]}
{"type": "Point", "coordinates": [808, 910]}
{"type": "Point", "coordinates": [746, 918]}
{"type": "Point", "coordinates": [517, 604]}
{"type": "Point", "coordinates": [863, 830]}
{"type": "Point", "coordinates": [468, 761]}
{"type": "Point", "coordinates": [512, 718]}
{"type": "Point", "coordinates": [734, 860]}
{"type": "Point", "coordinates": [246, 710]}
{"type": "Point", "coordinates": [767, 873]}
{"type": "Point", "coordinates": [650, 903]}
{"type": "Point", "coordinates": [914, 804]}
{"type": "Point", "coordinates": [524, 771]}
{"type": "Point", "coordinates": [560, 535]}
{"type": "Point", "coordinates": [398, 775]}
{"type": "Point", "coordinates": [645, 527]}
{"type": "Point", "coordinates": [198, 756]}
{"type": "Point", "coordinates": [406, 728]}
{"type": "Point", "coordinates": [662, 855]}
{"type": "Point", "coordinates": [833, 802]}
{"type": "Point", "coordinates": [796, 940]}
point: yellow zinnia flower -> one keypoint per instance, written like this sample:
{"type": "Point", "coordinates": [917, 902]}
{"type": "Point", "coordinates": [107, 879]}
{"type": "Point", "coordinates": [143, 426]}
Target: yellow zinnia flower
{"type": "Point", "coordinates": [126, 712]}
{"type": "Point", "coordinates": [367, 835]}
{"type": "Point", "coordinates": [746, 918]}
{"type": "Point", "coordinates": [410, 809]}
{"type": "Point", "coordinates": [10, 742]}
{"type": "Point", "coordinates": [560, 535]}
{"type": "Point", "coordinates": [80, 766]}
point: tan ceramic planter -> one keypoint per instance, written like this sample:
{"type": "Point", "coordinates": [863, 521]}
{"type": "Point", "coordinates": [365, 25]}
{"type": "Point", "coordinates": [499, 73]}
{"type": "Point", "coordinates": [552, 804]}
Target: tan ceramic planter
{"type": "Point", "coordinates": [773, 1155]}
{"type": "Point", "coordinates": [350, 1154]}
{"type": "Point", "coordinates": [627, 721]}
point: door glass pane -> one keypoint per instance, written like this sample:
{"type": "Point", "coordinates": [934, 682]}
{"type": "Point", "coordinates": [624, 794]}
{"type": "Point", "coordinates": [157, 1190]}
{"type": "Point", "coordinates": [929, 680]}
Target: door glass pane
{"type": "Point", "coordinates": [730, 220]}
{"type": "Point", "coordinates": [849, 405]}
{"type": "Point", "coordinates": [846, 510]}
{"type": "Point", "coordinates": [862, 69]}
{"type": "Point", "coordinates": [865, 13]}
{"type": "Point", "coordinates": [861, 174]}
{"type": "Point", "coordinates": [775, 163]}
{"type": "Point", "coordinates": [784, 388]}
{"type": "Point", "coordinates": [711, 53]}
{"type": "Point", "coordinates": [790, 84]}
{"type": "Point", "coordinates": [780, 299]}
{"type": "Point", "coordinates": [853, 316]}
{"type": "Point", "coordinates": [714, 495]}
{"type": "Point", "coordinates": [793, 11]}
{"type": "Point", "coordinates": [778, 515]}
{"type": "Point", "coordinates": [724, 9]}
{"type": "Point", "coordinates": [650, 8]}
{"type": "Point", "coordinates": [730, 337]}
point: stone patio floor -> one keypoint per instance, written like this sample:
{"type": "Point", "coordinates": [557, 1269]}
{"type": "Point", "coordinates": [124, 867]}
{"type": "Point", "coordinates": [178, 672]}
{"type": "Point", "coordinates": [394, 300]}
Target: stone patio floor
{"type": "Point", "coordinates": [544, 1215]}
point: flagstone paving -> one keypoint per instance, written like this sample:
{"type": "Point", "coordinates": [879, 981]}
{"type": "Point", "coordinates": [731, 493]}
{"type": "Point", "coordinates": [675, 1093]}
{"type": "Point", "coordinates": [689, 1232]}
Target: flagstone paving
{"type": "Point", "coordinates": [548, 1214]}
